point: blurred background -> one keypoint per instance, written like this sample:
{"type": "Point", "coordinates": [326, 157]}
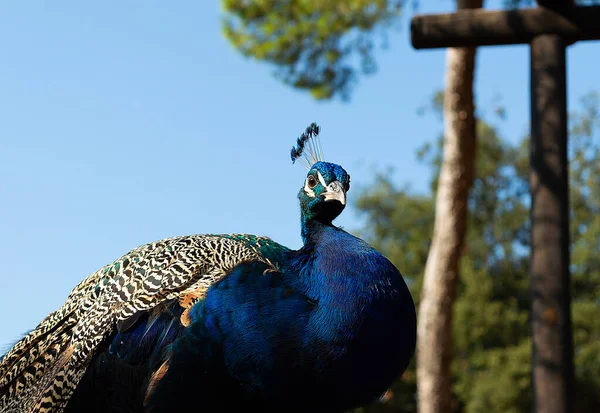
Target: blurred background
{"type": "Point", "coordinates": [127, 122]}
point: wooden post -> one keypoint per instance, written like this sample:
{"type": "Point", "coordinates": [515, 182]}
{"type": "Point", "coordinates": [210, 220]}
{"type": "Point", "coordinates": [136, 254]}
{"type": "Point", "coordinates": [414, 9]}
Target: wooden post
{"type": "Point", "coordinates": [548, 29]}
{"type": "Point", "coordinates": [552, 348]}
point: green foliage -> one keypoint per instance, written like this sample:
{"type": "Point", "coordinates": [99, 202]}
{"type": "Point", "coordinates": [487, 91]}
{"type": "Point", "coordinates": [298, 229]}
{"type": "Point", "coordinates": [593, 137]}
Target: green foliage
{"type": "Point", "coordinates": [318, 45]}
{"type": "Point", "coordinates": [491, 364]}
{"type": "Point", "coordinates": [313, 43]}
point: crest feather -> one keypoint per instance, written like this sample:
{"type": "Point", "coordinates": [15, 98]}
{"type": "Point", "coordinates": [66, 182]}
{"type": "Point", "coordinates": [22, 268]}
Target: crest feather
{"type": "Point", "coordinates": [308, 149]}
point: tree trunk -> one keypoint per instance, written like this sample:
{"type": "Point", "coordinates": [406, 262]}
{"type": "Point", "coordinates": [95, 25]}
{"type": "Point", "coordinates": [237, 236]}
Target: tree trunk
{"type": "Point", "coordinates": [434, 347]}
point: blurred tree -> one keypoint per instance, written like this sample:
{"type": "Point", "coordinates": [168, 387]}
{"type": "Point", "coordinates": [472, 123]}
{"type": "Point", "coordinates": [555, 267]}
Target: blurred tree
{"type": "Point", "coordinates": [316, 45]}
{"type": "Point", "coordinates": [442, 269]}
{"type": "Point", "coordinates": [491, 366]}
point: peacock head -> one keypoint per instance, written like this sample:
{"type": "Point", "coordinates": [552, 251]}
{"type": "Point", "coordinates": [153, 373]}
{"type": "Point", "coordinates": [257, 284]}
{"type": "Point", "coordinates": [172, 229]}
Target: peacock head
{"type": "Point", "coordinates": [323, 195]}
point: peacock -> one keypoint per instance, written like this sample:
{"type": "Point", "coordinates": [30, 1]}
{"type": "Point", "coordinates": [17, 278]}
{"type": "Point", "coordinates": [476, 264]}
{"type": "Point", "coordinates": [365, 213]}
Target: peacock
{"type": "Point", "coordinates": [226, 322]}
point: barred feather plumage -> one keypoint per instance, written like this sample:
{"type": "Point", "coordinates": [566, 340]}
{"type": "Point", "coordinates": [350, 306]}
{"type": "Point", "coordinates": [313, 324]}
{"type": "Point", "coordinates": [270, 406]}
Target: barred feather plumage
{"type": "Point", "coordinates": [33, 377]}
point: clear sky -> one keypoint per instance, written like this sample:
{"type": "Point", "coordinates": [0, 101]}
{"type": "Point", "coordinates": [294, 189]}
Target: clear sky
{"type": "Point", "coordinates": [126, 122]}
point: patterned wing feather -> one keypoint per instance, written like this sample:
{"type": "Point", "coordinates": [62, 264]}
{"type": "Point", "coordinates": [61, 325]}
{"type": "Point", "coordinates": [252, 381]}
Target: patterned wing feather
{"type": "Point", "coordinates": [41, 371]}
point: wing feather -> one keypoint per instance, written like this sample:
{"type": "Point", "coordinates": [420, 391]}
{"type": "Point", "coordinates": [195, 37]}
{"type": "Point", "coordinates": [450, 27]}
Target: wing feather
{"type": "Point", "coordinates": [42, 370]}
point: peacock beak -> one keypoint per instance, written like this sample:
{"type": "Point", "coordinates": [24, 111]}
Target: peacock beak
{"type": "Point", "coordinates": [335, 192]}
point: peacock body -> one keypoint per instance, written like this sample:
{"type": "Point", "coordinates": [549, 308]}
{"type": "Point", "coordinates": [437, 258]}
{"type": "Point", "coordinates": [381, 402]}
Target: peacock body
{"type": "Point", "coordinates": [226, 322]}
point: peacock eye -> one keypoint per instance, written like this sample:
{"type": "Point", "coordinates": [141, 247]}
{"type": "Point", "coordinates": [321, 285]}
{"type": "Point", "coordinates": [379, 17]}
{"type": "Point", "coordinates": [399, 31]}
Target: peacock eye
{"type": "Point", "coordinates": [312, 181]}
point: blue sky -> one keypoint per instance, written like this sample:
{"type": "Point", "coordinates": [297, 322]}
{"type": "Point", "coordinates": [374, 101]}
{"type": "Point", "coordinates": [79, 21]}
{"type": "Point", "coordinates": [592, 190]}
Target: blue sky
{"type": "Point", "coordinates": [126, 122]}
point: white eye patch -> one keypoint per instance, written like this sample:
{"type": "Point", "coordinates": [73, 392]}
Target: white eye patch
{"type": "Point", "coordinates": [309, 191]}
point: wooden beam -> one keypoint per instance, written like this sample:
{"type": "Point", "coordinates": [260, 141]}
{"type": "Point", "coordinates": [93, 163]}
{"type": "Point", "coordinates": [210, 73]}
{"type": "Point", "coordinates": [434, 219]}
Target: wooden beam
{"type": "Point", "coordinates": [556, 4]}
{"type": "Point", "coordinates": [471, 28]}
{"type": "Point", "coordinates": [552, 347]}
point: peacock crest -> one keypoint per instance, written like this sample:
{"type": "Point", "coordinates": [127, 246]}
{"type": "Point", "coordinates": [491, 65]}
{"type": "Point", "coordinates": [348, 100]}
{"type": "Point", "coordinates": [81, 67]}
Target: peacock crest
{"type": "Point", "coordinates": [308, 150]}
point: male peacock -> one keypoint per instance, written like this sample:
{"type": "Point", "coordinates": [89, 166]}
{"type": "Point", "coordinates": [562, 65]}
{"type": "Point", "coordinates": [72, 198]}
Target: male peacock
{"type": "Point", "coordinates": [223, 323]}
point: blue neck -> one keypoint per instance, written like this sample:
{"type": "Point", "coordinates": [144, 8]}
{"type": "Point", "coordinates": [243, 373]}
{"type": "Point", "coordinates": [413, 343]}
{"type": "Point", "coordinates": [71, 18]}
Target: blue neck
{"type": "Point", "coordinates": [311, 230]}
